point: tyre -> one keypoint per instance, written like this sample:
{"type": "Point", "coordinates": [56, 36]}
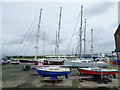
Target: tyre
{"type": "Point", "coordinates": [100, 82]}
{"type": "Point", "coordinates": [105, 82]}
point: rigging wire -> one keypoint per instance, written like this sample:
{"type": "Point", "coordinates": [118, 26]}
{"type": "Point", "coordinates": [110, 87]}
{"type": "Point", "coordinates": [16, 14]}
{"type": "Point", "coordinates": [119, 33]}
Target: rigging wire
{"type": "Point", "coordinates": [44, 33]}
{"type": "Point", "coordinates": [32, 30]}
{"type": "Point", "coordinates": [73, 32]}
{"type": "Point", "coordinates": [79, 43]}
{"type": "Point", "coordinates": [77, 47]}
{"type": "Point", "coordinates": [26, 34]}
{"type": "Point", "coordinates": [26, 40]}
{"type": "Point", "coordinates": [32, 39]}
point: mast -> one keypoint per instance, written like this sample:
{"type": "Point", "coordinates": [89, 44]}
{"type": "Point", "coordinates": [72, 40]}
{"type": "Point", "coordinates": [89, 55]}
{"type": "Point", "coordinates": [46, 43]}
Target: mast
{"type": "Point", "coordinates": [91, 43]}
{"type": "Point", "coordinates": [85, 38]}
{"type": "Point", "coordinates": [56, 44]}
{"type": "Point", "coordinates": [81, 34]}
{"type": "Point", "coordinates": [43, 43]}
{"type": "Point", "coordinates": [59, 32]}
{"type": "Point", "coordinates": [36, 53]}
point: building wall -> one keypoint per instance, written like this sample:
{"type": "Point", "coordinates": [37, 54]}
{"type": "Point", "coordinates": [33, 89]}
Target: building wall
{"type": "Point", "coordinates": [117, 39]}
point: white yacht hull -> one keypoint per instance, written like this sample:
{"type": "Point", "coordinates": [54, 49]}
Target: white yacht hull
{"type": "Point", "coordinates": [84, 64]}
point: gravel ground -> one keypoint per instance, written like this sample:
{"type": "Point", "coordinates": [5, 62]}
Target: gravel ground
{"type": "Point", "coordinates": [14, 77]}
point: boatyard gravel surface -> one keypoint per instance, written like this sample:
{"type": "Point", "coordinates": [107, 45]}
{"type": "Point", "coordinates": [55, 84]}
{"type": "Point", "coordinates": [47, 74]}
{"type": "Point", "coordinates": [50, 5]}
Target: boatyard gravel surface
{"type": "Point", "coordinates": [14, 77]}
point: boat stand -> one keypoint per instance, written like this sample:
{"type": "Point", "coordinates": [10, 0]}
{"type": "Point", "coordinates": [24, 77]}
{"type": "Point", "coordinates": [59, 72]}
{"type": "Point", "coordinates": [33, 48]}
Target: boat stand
{"type": "Point", "coordinates": [52, 79]}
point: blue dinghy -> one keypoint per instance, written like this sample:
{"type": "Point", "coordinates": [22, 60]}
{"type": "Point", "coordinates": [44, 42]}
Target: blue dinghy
{"type": "Point", "coordinates": [53, 71]}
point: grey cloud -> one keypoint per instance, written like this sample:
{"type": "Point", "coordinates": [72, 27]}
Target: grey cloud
{"type": "Point", "coordinates": [12, 42]}
{"type": "Point", "coordinates": [97, 9]}
{"type": "Point", "coordinates": [103, 42]}
{"type": "Point", "coordinates": [114, 25]}
{"type": "Point", "coordinates": [15, 28]}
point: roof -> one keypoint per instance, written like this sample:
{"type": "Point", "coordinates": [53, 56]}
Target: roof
{"type": "Point", "coordinates": [118, 30]}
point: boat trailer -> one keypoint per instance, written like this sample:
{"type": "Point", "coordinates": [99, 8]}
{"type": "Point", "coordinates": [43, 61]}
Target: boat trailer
{"type": "Point", "coordinates": [102, 79]}
{"type": "Point", "coordinates": [97, 77]}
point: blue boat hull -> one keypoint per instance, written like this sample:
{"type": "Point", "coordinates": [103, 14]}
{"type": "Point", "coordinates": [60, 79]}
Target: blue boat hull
{"type": "Point", "coordinates": [48, 73]}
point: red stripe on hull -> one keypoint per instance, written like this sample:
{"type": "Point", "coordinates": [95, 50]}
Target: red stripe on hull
{"type": "Point", "coordinates": [97, 72]}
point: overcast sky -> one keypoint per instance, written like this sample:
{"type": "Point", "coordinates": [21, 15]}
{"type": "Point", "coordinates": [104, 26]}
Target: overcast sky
{"type": "Point", "coordinates": [102, 17]}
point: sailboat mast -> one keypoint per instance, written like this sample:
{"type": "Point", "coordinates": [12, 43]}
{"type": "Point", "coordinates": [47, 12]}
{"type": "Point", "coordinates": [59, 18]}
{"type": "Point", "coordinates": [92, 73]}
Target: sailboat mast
{"type": "Point", "coordinates": [91, 43]}
{"type": "Point", "coordinates": [85, 38]}
{"type": "Point", "coordinates": [56, 44]}
{"type": "Point", "coordinates": [59, 32]}
{"type": "Point", "coordinates": [43, 43]}
{"type": "Point", "coordinates": [36, 53]}
{"type": "Point", "coordinates": [81, 33]}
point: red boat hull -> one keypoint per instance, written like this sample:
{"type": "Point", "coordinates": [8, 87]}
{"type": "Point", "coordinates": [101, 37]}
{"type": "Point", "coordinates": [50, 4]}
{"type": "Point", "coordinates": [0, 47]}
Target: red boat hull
{"type": "Point", "coordinates": [113, 62]}
{"type": "Point", "coordinates": [96, 72]}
